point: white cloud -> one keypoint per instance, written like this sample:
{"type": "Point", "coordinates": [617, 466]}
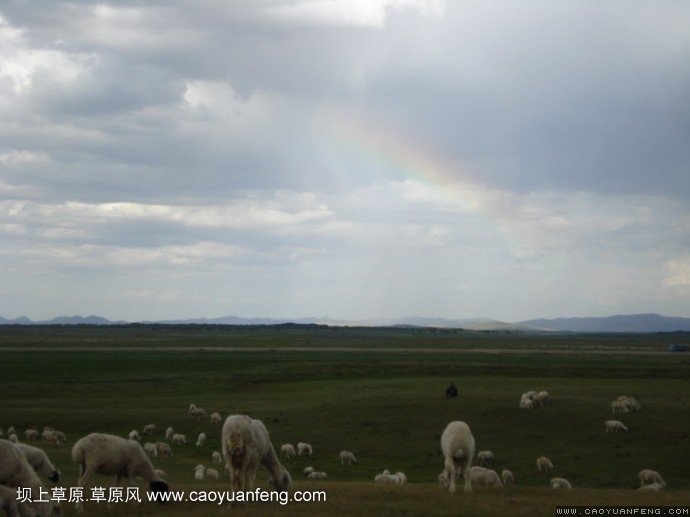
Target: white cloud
{"type": "Point", "coordinates": [677, 272]}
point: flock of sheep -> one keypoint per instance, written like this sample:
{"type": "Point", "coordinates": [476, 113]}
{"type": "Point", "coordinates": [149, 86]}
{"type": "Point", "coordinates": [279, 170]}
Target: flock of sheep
{"type": "Point", "coordinates": [246, 446]}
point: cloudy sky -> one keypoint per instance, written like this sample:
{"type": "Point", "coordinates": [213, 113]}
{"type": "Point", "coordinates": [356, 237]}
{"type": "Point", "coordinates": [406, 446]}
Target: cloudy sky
{"type": "Point", "coordinates": [354, 159]}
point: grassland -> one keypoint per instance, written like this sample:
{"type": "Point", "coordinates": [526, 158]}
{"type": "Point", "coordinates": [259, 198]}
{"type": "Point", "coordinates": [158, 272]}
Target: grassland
{"type": "Point", "coordinates": [377, 392]}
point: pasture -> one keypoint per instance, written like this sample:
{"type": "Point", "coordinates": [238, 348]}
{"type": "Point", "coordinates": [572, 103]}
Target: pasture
{"type": "Point", "coordinates": [376, 392]}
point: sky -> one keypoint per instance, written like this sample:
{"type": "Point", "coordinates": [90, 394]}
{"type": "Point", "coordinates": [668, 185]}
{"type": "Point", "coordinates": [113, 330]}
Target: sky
{"type": "Point", "coordinates": [351, 159]}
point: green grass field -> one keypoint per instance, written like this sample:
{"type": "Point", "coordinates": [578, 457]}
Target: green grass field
{"type": "Point", "coordinates": [376, 392]}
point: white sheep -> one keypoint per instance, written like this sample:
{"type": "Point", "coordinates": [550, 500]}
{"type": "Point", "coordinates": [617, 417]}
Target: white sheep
{"type": "Point", "coordinates": [32, 434]}
{"type": "Point", "coordinates": [630, 403]}
{"type": "Point", "coordinates": [485, 457]}
{"type": "Point", "coordinates": [615, 426]}
{"type": "Point", "coordinates": [303, 448]}
{"type": "Point", "coordinates": [401, 476]}
{"type": "Point", "coordinates": [199, 472]}
{"type": "Point", "coordinates": [201, 439]}
{"type": "Point", "coordinates": [526, 403]}
{"type": "Point", "coordinates": [507, 477]}
{"type": "Point", "coordinates": [106, 454]}
{"type": "Point", "coordinates": [544, 463]}
{"type": "Point", "coordinates": [481, 476]}
{"type": "Point", "coordinates": [347, 456]}
{"type": "Point", "coordinates": [457, 445]}
{"type": "Point", "coordinates": [11, 505]}
{"type": "Point", "coordinates": [317, 475]}
{"type": "Point", "coordinates": [16, 472]}
{"type": "Point", "coordinates": [216, 418]}
{"type": "Point", "coordinates": [246, 445]}
{"type": "Point", "coordinates": [164, 450]}
{"type": "Point", "coordinates": [212, 473]}
{"type": "Point", "coordinates": [216, 457]}
{"type": "Point", "coordinates": [542, 398]}
{"type": "Point", "coordinates": [40, 462]}
{"type": "Point", "coordinates": [618, 408]}
{"type": "Point", "coordinates": [198, 412]}
{"type": "Point", "coordinates": [387, 478]}
{"type": "Point", "coordinates": [307, 471]}
{"type": "Point", "coordinates": [648, 476]}
{"type": "Point", "coordinates": [558, 483]}
{"type": "Point", "coordinates": [149, 429]}
{"type": "Point", "coordinates": [287, 450]}
{"type": "Point", "coordinates": [151, 449]}
{"type": "Point", "coordinates": [178, 439]}
{"type": "Point", "coordinates": [652, 487]}
{"type": "Point", "coordinates": [169, 433]}
{"type": "Point", "coordinates": [134, 435]}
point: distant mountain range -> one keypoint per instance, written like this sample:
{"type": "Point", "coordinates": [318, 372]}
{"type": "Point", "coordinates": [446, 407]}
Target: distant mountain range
{"type": "Point", "coordinates": [640, 323]}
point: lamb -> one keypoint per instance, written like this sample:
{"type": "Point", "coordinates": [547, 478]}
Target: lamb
{"type": "Point", "coordinates": [485, 477]}
{"type": "Point", "coordinates": [544, 463]}
{"type": "Point", "coordinates": [287, 450]}
{"type": "Point", "coordinates": [560, 483]}
{"type": "Point", "coordinates": [615, 426]}
{"type": "Point", "coordinates": [485, 457]}
{"type": "Point", "coordinates": [149, 429]}
{"type": "Point", "coordinates": [648, 476]}
{"type": "Point", "coordinates": [246, 445]}
{"type": "Point", "coordinates": [303, 448]}
{"type": "Point", "coordinates": [40, 462]}
{"type": "Point", "coordinates": [347, 456]}
{"type": "Point", "coordinates": [201, 439]}
{"type": "Point", "coordinates": [199, 472]}
{"type": "Point", "coordinates": [507, 477]}
{"type": "Point", "coordinates": [16, 472]}
{"type": "Point", "coordinates": [98, 453]}
{"type": "Point", "coordinates": [457, 445]}
{"type": "Point", "coordinates": [216, 418]}
{"type": "Point", "coordinates": [216, 457]}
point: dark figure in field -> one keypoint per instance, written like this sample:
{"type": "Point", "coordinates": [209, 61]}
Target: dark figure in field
{"type": "Point", "coordinates": [451, 391]}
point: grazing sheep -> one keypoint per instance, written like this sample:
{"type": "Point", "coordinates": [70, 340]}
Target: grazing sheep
{"type": "Point", "coordinates": [40, 462]}
{"type": "Point", "coordinates": [457, 445]}
{"type": "Point", "coordinates": [652, 487]}
{"type": "Point", "coordinates": [212, 473]}
{"type": "Point", "coordinates": [216, 418]}
{"type": "Point", "coordinates": [307, 471]}
{"type": "Point", "coordinates": [560, 483]}
{"type": "Point", "coordinates": [178, 439]}
{"type": "Point", "coordinates": [192, 407]}
{"type": "Point", "coordinates": [149, 429]}
{"type": "Point", "coordinates": [164, 450]}
{"type": "Point", "coordinates": [200, 441]}
{"type": "Point", "coordinates": [151, 449]}
{"type": "Point", "coordinates": [134, 435]}
{"type": "Point", "coordinates": [110, 455]}
{"type": "Point", "coordinates": [485, 477]}
{"type": "Point", "coordinates": [51, 438]}
{"type": "Point", "coordinates": [317, 475]}
{"type": "Point", "coordinates": [246, 445]}
{"type": "Point", "coordinates": [387, 478]}
{"type": "Point", "coordinates": [199, 472]}
{"type": "Point", "coordinates": [401, 476]}
{"type": "Point", "coordinates": [544, 463]}
{"type": "Point", "coordinates": [32, 434]}
{"type": "Point", "coordinates": [526, 403]}
{"type": "Point", "coordinates": [618, 408]}
{"type": "Point", "coordinates": [287, 450]}
{"type": "Point", "coordinates": [169, 433]}
{"type": "Point", "coordinates": [648, 476]}
{"type": "Point", "coordinates": [630, 403]}
{"type": "Point", "coordinates": [216, 457]}
{"type": "Point", "coordinates": [16, 472]}
{"type": "Point", "coordinates": [542, 398]}
{"type": "Point", "coordinates": [615, 426]}
{"type": "Point", "coordinates": [485, 457]}
{"type": "Point", "coordinates": [347, 456]}
{"type": "Point", "coordinates": [303, 448]}
{"type": "Point", "coordinates": [507, 477]}
{"type": "Point", "coordinates": [11, 506]}
{"type": "Point", "coordinates": [198, 412]}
